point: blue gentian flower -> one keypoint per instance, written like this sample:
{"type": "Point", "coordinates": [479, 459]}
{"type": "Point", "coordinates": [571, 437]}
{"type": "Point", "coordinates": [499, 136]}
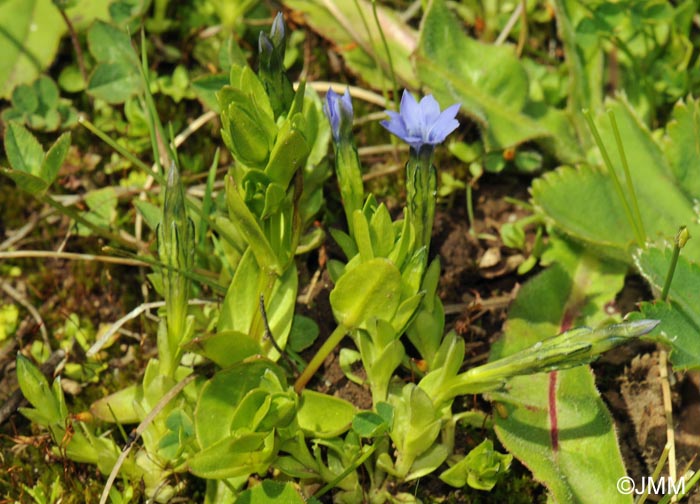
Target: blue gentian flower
{"type": "Point", "coordinates": [339, 111]}
{"type": "Point", "coordinates": [421, 124]}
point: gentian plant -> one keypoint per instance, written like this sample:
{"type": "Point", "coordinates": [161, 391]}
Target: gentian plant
{"type": "Point", "coordinates": [242, 420]}
{"type": "Point", "coordinates": [422, 126]}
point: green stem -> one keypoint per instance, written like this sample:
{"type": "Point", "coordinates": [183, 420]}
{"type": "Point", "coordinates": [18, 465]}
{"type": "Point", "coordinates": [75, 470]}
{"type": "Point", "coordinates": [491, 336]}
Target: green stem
{"type": "Point", "coordinates": [681, 238]}
{"type": "Point", "coordinates": [156, 175]}
{"type": "Point", "coordinates": [197, 277]}
{"type": "Point", "coordinates": [377, 62]}
{"type": "Point", "coordinates": [315, 363]}
{"type": "Point", "coordinates": [266, 282]}
{"type": "Point", "coordinates": [628, 176]}
{"type": "Point", "coordinates": [357, 463]}
{"type": "Point", "coordinates": [616, 181]}
{"type": "Point", "coordinates": [421, 184]}
{"type": "Point", "coordinates": [121, 150]}
{"type": "Point", "coordinates": [347, 169]}
{"type": "Point", "coordinates": [470, 210]}
{"type": "Point", "coordinates": [388, 53]}
{"type": "Point", "coordinates": [689, 484]}
{"type": "Point", "coordinates": [72, 214]}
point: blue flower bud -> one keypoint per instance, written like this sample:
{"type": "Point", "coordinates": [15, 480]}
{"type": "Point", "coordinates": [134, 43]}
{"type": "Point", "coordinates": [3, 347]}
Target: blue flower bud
{"type": "Point", "coordinates": [340, 114]}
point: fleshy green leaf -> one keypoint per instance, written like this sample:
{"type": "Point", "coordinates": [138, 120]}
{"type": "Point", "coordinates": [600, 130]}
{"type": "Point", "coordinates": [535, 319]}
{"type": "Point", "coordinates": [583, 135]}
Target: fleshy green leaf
{"type": "Point", "coordinates": [119, 406]}
{"type": "Point", "coordinates": [36, 389]}
{"type": "Point", "coordinates": [370, 290]}
{"type": "Point", "coordinates": [221, 395]}
{"type": "Point", "coordinates": [480, 469]}
{"type": "Point", "coordinates": [369, 424]}
{"type": "Point", "coordinates": [324, 416]}
{"type": "Point", "coordinates": [304, 332]}
{"type": "Point", "coordinates": [271, 492]}
{"type": "Point", "coordinates": [225, 348]}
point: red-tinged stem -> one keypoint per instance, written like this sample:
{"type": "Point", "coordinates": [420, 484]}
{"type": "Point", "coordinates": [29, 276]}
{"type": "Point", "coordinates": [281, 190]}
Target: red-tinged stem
{"type": "Point", "coordinates": [553, 422]}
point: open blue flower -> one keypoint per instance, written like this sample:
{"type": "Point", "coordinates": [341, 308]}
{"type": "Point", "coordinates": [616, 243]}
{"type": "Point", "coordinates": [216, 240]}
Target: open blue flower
{"type": "Point", "coordinates": [339, 111]}
{"type": "Point", "coordinates": [420, 124]}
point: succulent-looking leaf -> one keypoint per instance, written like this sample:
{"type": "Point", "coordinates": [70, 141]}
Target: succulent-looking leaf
{"type": "Point", "coordinates": [370, 290]}
{"type": "Point", "coordinates": [324, 416]}
{"type": "Point", "coordinates": [271, 492]}
{"type": "Point", "coordinates": [481, 468]}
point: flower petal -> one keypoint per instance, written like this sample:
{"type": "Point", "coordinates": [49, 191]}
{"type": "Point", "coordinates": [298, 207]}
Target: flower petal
{"type": "Point", "coordinates": [420, 124]}
{"type": "Point", "coordinates": [410, 111]}
{"type": "Point", "coordinates": [340, 113]}
{"type": "Point", "coordinates": [430, 110]}
{"type": "Point", "coordinates": [396, 127]}
{"type": "Point", "coordinates": [346, 104]}
{"type": "Point", "coordinates": [444, 125]}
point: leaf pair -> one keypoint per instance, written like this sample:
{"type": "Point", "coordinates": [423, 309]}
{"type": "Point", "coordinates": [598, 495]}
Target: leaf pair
{"type": "Point", "coordinates": [33, 170]}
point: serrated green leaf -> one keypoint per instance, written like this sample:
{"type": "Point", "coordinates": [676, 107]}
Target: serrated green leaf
{"type": "Point", "coordinates": [682, 145]}
{"type": "Point", "coordinates": [583, 203]}
{"type": "Point", "coordinates": [109, 44]}
{"type": "Point", "coordinates": [46, 91]}
{"type": "Point", "coordinates": [23, 150]}
{"type": "Point", "coordinates": [54, 158]}
{"type": "Point", "coordinates": [25, 181]}
{"type": "Point", "coordinates": [103, 204]}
